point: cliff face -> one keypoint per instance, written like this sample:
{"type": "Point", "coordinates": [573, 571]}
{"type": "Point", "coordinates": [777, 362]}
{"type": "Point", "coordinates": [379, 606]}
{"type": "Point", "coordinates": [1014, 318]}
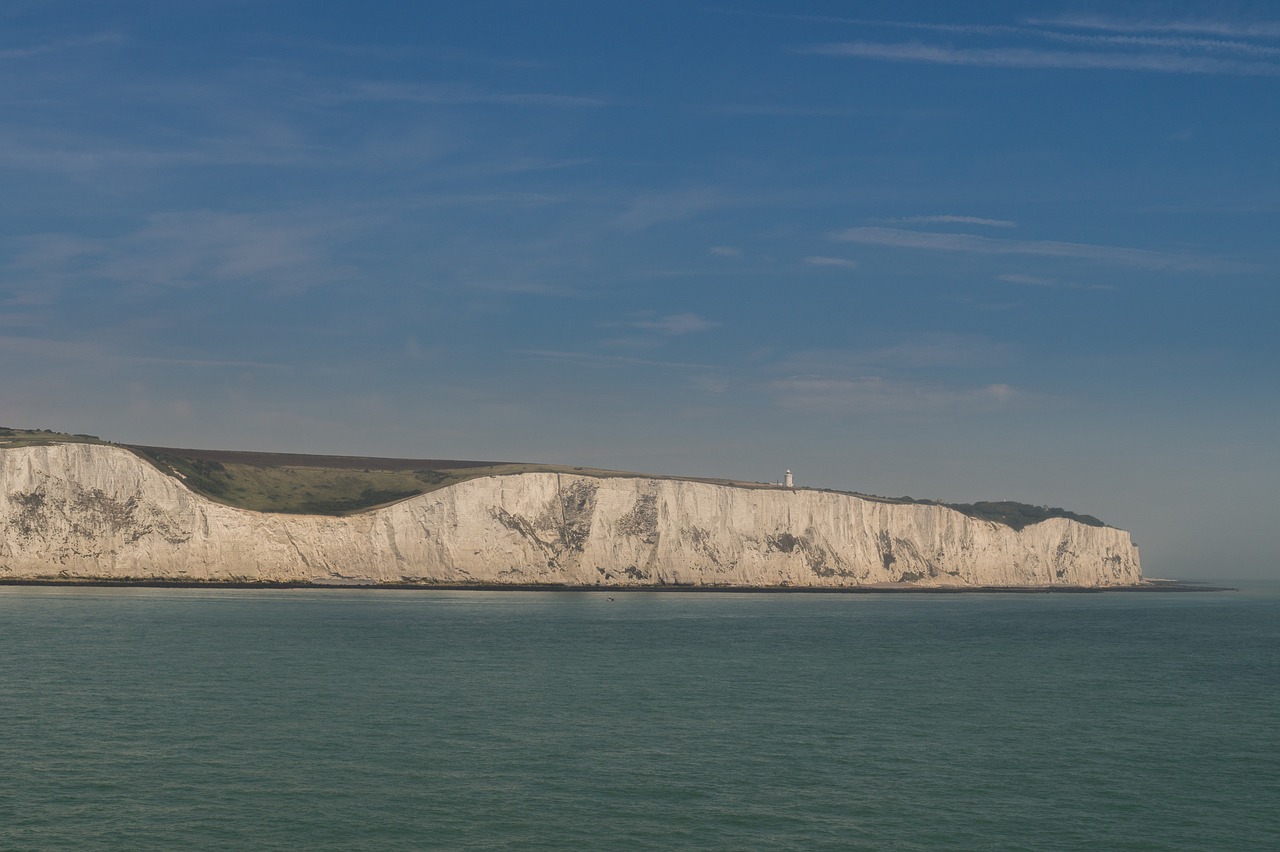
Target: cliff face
{"type": "Point", "coordinates": [93, 511]}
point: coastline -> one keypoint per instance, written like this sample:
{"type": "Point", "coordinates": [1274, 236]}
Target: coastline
{"type": "Point", "coordinates": [89, 512]}
{"type": "Point", "coordinates": [167, 583]}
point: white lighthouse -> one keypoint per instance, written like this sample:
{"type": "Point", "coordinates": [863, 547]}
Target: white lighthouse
{"type": "Point", "coordinates": [789, 482]}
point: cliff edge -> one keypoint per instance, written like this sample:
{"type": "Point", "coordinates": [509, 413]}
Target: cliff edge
{"type": "Point", "coordinates": [97, 512]}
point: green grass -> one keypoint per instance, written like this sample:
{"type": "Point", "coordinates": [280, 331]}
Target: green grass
{"type": "Point", "coordinates": [345, 485]}
{"type": "Point", "coordinates": [317, 490]}
{"type": "Point", "coordinates": [1019, 515]}
{"type": "Point", "coordinates": [303, 490]}
{"type": "Point", "coordinates": [1007, 512]}
{"type": "Point", "coordinates": [36, 437]}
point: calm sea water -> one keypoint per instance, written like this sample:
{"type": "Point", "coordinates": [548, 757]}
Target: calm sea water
{"type": "Point", "coordinates": [165, 719]}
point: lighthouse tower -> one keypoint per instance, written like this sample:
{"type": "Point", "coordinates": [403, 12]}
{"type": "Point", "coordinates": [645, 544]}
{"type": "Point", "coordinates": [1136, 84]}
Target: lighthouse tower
{"type": "Point", "coordinates": [789, 482]}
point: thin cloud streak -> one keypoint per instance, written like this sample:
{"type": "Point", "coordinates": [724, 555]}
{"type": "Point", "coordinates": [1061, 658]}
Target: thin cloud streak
{"type": "Point", "coordinates": [1160, 42]}
{"type": "Point", "coordinates": [1260, 29]}
{"type": "Point", "coordinates": [451, 95]}
{"type": "Point", "coordinates": [671, 325]}
{"type": "Point", "coordinates": [282, 251]}
{"type": "Point", "coordinates": [1227, 30]}
{"type": "Point", "coordinates": [1021, 57]}
{"type": "Point", "coordinates": [655, 208]}
{"type": "Point", "coordinates": [916, 352]}
{"type": "Point", "coordinates": [969, 29]}
{"type": "Point", "coordinates": [1039, 281]}
{"type": "Point", "coordinates": [107, 37]}
{"type": "Point", "coordinates": [590, 359]}
{"type": "Point", "coordinates": [950, 220]}
{"type": "Point", "coordinates": [877, 395]}
{"type": "Point", "coordinates": [675, 324]}
{"type": "Point", "coordinates": [779, 110]}
{"type": "Point", "coordinates": [838, 262]}
{"type": "Point", "coordinates": [396, 52]}
{"type": "Point", "coordinates": [975, 244]}
{"type": "Point", "coordinates": [82, 351]}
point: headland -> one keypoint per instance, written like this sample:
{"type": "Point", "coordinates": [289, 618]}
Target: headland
{"type": "Point", "coordinates": [74, 509]}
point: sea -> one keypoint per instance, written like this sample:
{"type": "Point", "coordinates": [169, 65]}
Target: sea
{"type": "Point", "coordinates": [135, 718]}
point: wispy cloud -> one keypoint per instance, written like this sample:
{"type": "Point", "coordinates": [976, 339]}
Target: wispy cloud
{"type": "Point", "coordinates": [968, 29]}
{"type": "Point", "coordinates": [1031, 280]}
{"type": "Point", "coordinates": [507, 200]}
{"type": "Point", "coordinates": [192, 248]}
{"type": "Point", "coordinates": [658, 329]}
{"type": "Point", "coordinates": [1050, 28]}
{"type": "Point", "coordinates": [591, 359]}
{"type": "Point", "coordinates": [386, 52]}
{"type": "Point", "coordinates": [523, 286]}
{"type": "Point", "coordinates": [1163, 42]}
{"type": "Point", "coordinates": [75, 43]}
{"type": "Point", "coordinates": [657, 207]}
{"type": "Point", "coordinates": [453, 95]}
{"type": "Point", "coordinates": [782, 111]}
{"type": "Point", "coordinates": [974, 244]}
{"type": "Point", "coordinates": [79, 350]}
{"type": "Point", "coordinates": [915, 352]}
{"type": "Point", "coordinates": [281, 251]}
{"type": "Point", "coordinates": [1236, 29]}
{"type": "Point", "coordinates": [1196, 47]}
{"type": "Point", "coordinates": [920, 374]}
{"type": "Point", "coordinates": [1049, 283]}
{"type": "Point", "coordinates": [255, 112]}
{"type": "Point", "coordinates": [927, 351]}
{"type": "Point", "coordinates": [841, 262]}
{"type": "Point", "coordinates": [724, 251]}
{"type": "Point", "coordinates": [1024, 57]}
{"type": "Point", "coordinates": [673, 325]}
{"type": "Point", "coordinates": [76, 154]}
{"type": "Point", "coordinates": [950, 220]}
{"type": "Point", "coordinates": [16, 315]}
{"type": "Point", "coordinates": [877, 395]}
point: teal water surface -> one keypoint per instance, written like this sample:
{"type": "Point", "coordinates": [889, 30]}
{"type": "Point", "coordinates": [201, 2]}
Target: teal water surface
{"type": "Point", "coordinates": [224, 719]}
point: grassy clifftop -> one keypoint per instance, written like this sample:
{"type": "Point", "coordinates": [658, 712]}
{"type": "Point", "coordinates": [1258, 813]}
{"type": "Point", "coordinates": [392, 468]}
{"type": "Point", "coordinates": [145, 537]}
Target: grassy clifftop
{"type": "Point", "coordinates": [282, 482]}
{"type": "Point", "coordinates": [32, 437]}
{"type": "Point", "coordinates": [321, 485]}
{"type": "Point", "coordinates": [1007, 512]}
{"type": "Point", "coordinates": [344, 485]}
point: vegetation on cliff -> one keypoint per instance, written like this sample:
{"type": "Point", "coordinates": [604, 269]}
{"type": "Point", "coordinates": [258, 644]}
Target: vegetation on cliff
{"type": "Point", "coordinates": [1007, 512]}
{"type": "Point", "coordinates": [343, 485]}
{"type": "Point", "coordinates": [317, 485]}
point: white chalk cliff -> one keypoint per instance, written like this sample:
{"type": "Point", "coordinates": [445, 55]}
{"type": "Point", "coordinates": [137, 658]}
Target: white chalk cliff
{"type": "Point", "coordinates": [84, 511]}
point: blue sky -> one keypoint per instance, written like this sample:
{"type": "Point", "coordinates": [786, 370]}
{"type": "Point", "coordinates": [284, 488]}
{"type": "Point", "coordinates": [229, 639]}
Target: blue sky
{"type": "Point", "coordinates": [965, 251]}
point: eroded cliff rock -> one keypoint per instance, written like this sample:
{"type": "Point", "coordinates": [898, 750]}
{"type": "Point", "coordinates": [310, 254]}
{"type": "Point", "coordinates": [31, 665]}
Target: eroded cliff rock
{"type": "Point", "coordinates": [92, 511]}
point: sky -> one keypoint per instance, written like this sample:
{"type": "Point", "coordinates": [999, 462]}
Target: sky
{"type": "Point", "coordinates": [964, 251]}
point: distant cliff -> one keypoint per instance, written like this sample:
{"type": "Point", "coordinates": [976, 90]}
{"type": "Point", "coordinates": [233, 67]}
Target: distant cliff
{"type": "Point", "coordinates": [97, 511]}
